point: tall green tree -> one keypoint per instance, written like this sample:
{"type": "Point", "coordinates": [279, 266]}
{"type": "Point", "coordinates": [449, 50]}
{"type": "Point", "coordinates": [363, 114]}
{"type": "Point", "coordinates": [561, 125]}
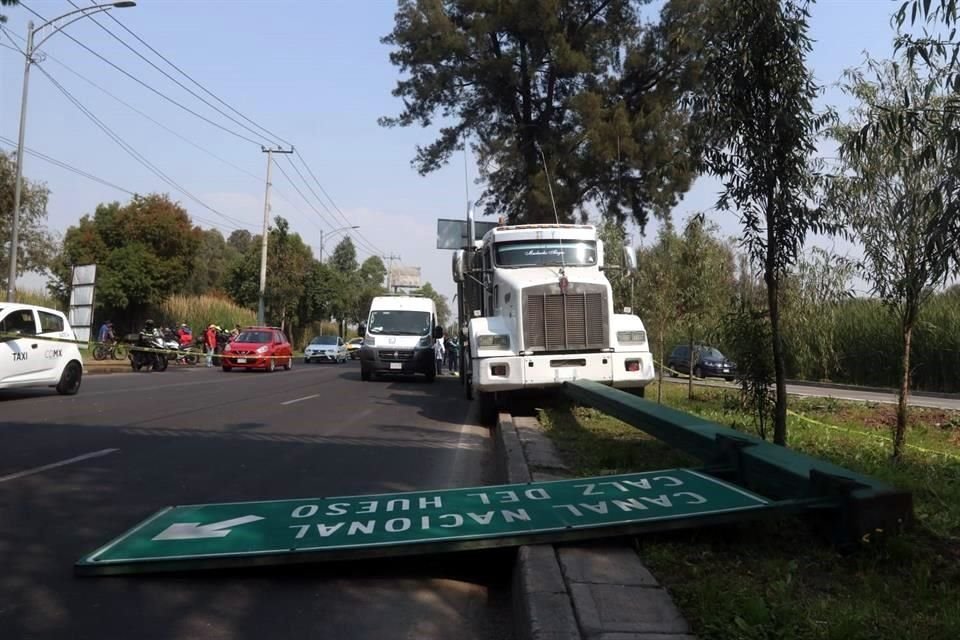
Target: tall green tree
{"type": "Point", "coordinates": [704, 285]}
{"type": "Point", "coordinates": [289, 263]}
{"type": "Point", "coordinates": [370, 278]}
{"type": "Point", "coordinates": [35, 245]}
{"type": "Point", "coordinates": [758, 125]}
{"type": "Point", "coordinates": [212, 263]}
{"type": "Point", "coordinates": [440, 300]}
{"type": "Point", "coordinates": [144, 252]}
{"type": "Point", "coordinates": [657, 290]}
{"type": "Point", "coordinates": [344, 258]}
{"type": "Point", "coordinates": [911, 241]}
{"type": "Point", "coordinates": [240, 240]}
{"type": "Point", "coordinates": [586, 87]}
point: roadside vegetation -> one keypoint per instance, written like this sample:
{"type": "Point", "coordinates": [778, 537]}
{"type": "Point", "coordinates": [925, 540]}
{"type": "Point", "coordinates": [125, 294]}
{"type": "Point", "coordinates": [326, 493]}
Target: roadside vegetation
{"type": "Point", "coordinates": [779, 579]}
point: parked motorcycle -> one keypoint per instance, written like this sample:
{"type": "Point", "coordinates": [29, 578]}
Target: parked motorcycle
{"type": "Point", "coordinates": [147, 352]}
{"type": "Point", "coordinates": [180, 353]}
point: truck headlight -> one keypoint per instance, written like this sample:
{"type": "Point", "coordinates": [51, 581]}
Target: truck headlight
{"type": "Point", "coordinates": [500, 342]}
{"type": "Point", "coordinates": [632, 337]}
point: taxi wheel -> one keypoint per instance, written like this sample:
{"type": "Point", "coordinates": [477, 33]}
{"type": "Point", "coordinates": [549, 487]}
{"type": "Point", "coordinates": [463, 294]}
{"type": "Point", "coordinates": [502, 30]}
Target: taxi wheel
{"type": "Point", "coordinates": [70, 379]}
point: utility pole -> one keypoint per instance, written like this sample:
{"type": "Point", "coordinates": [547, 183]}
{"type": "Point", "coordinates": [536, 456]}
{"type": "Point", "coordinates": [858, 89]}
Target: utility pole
{"type": "Point", "coordinates": [391, 258]}
{"type": "Point", "coordinates": [75, 15]}
{"type": "Point", "coordinates": [266, 224]}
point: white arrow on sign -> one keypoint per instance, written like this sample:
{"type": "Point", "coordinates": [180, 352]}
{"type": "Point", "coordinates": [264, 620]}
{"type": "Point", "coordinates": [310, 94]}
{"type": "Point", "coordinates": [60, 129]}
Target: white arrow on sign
{"type": "Point", "coordinates": [195, 530]}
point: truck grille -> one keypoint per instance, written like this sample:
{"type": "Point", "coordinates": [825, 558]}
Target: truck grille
{"type": "Point", "coordinates": [565, 322]}
{"type": "Point", "coordinates": [395, 355]}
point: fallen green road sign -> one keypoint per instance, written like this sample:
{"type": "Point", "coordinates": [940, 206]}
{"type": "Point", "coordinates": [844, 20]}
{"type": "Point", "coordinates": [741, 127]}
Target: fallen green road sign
{"type": "Point", "coordinates": [302, 530]}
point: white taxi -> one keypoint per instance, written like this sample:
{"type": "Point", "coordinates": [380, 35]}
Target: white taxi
{"type": "Point", "coordinates": [37, 348]}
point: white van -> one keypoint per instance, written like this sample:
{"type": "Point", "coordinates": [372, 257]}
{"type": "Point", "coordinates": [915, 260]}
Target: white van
{"type": "Point", "coordinates": [37, 348]}
{"type": "Point", "coordinates": [399, 337]}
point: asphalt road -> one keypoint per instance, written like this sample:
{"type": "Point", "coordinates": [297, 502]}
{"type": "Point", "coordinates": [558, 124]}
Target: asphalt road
{"type": "Point", "coordinates": [201, 435]}
{"type": "Point", "coordinates": [857, 395]}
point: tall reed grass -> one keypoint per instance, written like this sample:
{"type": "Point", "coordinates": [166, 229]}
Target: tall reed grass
{"type": "Point", "coordinates": [200, 311]}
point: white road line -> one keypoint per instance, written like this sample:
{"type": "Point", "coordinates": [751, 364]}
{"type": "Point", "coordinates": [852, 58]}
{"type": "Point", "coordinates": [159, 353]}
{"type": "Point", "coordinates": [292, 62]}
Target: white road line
{"type": "Point", "coordinates": [316, 395]}
{"type": "Point", "coordinates": [54, 465]}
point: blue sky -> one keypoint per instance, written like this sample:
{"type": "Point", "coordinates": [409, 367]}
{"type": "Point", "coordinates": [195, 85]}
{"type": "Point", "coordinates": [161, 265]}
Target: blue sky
{"type": "Point", "coordinates": [313, 72]}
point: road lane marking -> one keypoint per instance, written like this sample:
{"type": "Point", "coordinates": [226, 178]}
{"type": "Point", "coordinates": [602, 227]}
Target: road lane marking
{"type": "Point", "coordinates": [316, 395]}
{"type": "Point", "coordinates": [54, 465]}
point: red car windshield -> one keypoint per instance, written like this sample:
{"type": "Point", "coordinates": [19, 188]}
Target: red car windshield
{"type": "Point", "coordinates": [258, 337]}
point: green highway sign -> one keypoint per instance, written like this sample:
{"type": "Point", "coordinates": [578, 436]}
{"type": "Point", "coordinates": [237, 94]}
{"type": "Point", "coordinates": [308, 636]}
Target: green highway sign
{"type": "Point", "coordinates": [300, 530]}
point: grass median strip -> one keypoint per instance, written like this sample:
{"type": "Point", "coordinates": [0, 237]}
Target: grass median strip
{"type": "Point", "coordinates": [777, 579]}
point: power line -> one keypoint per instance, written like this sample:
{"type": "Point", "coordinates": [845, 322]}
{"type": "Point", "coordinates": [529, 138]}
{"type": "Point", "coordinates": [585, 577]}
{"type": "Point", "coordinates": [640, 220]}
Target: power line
{"type": "Point", "coordinates": [191, 79]}
{"type": "Point", "coordinates": [172, 131]}
{"type": "Point", "coordinates": [133, 152]}
{"type": "Point", "coordinates": [147, 86]}
{"type": "Point", "coordinates": [361, 238]}
{"type": "Point", "coordinates": [64, 165]}
{"type": "Point", "coordinates": [171, 78]}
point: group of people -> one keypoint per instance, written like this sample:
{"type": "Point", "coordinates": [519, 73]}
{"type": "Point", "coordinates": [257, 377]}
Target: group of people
{"type": "Point", "coordinates": [213, 338]}
{"type": "Point", "coordinates": [447, 350]}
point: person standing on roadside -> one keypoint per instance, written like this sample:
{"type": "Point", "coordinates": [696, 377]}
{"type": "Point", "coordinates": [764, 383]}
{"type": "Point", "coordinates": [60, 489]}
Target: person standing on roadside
{"type": "Point", "coordinates": [210, 343]}
{"type": "Point", "coordinates": [438, 353]}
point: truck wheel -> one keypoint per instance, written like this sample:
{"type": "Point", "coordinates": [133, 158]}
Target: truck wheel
{"type": "Point", "coordinates": [488, 408]}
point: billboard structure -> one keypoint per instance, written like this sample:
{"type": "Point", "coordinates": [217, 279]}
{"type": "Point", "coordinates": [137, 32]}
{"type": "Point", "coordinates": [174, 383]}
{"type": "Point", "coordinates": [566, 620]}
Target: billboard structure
{"type": "Point", "coordinates": [82, 285]}
{"type": "Point", "coordinates": [402, 277]}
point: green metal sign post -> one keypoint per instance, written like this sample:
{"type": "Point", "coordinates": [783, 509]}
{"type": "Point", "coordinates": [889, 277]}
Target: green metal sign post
{"type": "Point", "coordinates": [303, 530]}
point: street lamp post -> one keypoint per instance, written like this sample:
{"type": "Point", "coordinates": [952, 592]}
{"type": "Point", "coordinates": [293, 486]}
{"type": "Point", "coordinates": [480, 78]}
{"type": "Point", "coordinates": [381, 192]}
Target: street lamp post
{"type": "Point", "coordinates": [330, 234]}
{"type": "Point", "coordinates": [28, 55]}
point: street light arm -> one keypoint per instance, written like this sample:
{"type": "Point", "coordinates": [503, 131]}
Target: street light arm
{"type": "Point", "coordinates": [84, 12]}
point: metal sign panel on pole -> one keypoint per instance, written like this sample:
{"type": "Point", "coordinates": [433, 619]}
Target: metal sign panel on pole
{"type": "Point", "coordinates": [341, 528]}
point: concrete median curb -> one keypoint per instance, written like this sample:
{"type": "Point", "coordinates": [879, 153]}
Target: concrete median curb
{"type": "Point", "coordinates": [583, 592]}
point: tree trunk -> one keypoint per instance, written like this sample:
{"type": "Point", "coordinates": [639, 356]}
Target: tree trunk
{"type": "Point", "coordinates": [779, 363]}
{"type": "Point", "coordinates": [900, 431]}
{"type": "Point", "coordinates": [662, 365]}
{"type": "Point", "coordinates": [690, 368]}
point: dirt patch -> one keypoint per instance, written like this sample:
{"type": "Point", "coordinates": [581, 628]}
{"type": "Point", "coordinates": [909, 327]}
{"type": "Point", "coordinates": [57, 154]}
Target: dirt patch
{"type": "Point", "coordinates": [883, 417]}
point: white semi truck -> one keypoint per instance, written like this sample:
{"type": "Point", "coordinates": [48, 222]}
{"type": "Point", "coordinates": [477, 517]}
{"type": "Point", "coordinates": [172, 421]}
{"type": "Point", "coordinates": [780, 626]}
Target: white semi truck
{"type": "Point", "coordinates": [536, 310]}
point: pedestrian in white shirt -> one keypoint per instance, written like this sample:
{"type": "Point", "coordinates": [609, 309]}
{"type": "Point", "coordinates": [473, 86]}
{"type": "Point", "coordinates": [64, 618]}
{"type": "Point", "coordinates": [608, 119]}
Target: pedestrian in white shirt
{"type": "Point", "coordinates": [438, 354]}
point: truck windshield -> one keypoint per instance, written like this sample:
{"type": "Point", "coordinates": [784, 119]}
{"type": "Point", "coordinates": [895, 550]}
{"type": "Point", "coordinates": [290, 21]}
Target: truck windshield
{"type": "Point", "coordinates": [538, 253]}
{"type": "Point", "coordinates": [399, 323]}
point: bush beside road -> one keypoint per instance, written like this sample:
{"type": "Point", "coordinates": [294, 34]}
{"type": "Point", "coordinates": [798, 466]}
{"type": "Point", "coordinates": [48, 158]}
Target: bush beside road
{"type": "Point", "coordinates": [779, 580]}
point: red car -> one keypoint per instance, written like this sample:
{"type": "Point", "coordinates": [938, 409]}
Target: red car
{"type": "Point", "coordinates": [258, 348]}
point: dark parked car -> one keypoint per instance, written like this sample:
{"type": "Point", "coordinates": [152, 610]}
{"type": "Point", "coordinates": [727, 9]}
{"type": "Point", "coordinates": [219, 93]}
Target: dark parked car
{"type": "Point", "coordinates": [707, 362]}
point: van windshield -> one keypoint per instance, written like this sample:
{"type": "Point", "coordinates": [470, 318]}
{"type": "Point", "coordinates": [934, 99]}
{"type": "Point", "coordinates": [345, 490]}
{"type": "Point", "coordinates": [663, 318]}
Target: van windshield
{"type": "Point", "coordinates": [538, 253]}
{"type": "Point", "coordinates": [399, 323]}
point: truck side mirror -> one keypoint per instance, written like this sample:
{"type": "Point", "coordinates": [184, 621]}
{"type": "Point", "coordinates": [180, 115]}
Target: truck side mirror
{"type": "Point", "coordinates": [362, 330]}
{"type": "Point", "coordinates": [629, 259]}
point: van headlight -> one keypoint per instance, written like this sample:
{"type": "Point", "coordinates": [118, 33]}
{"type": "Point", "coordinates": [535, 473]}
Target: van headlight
{"type": "Point", "coordinates": [425, 343]}
{"type": "Point", "coordinates": [369, 341]}
{"type": "Point", "coordinates": [499, 341]}
{"type": "Point", "coordinates": [632, 337]}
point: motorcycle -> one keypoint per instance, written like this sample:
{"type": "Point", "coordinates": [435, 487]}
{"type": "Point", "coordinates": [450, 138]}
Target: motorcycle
{"type": "Point", "coordinates": [148, 352]}
{"type": "Point", "coordinates": [180, 353]}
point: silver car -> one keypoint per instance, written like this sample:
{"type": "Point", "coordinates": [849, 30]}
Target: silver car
{"type": "Point", "coordinates": [326, 349]}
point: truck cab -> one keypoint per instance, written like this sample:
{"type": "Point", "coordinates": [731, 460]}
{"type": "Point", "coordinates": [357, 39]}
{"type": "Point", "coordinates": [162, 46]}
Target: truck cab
{"type": "Point", "coordinates": [537, 310]}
